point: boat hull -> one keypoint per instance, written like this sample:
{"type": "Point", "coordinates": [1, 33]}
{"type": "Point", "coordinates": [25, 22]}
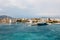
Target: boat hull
{"type": "Point", "coordinates": [39, 24]}
{"type": "Point", "coordinates": [42, 24]}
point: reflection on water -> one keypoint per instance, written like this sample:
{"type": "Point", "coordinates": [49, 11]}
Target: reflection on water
{"type": "Point", "coordinates": [24, 32]}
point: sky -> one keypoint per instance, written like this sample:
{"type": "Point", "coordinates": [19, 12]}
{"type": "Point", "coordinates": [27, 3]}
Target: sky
{"type": "Point", "coordinates": [30, 8]}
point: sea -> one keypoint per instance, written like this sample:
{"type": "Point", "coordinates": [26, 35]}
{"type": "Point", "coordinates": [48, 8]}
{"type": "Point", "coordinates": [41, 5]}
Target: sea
{"type": "Point", "coordinates": [23, 31]}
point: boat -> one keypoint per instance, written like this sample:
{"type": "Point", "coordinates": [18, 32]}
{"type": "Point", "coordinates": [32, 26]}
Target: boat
{"type": "Point", "coordinates": [37, 23]}
{"type": "Point", "coordinates": [41, 24]}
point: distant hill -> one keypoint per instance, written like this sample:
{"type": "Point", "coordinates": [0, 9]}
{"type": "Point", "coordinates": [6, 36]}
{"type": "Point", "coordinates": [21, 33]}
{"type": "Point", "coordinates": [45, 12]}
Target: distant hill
{"type": "Point", "coordinates": [4, 16]}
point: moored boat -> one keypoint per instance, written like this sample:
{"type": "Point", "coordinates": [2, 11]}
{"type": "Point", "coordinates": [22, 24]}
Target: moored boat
{"type": "Point", "coordinates": [32, 23]}
{"type": "Point", "coordinates": [38, 24]}
{"type": "Point", "coordinates": [41, 24]}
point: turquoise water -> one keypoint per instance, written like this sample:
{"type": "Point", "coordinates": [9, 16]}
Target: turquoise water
{"type": "Point", "coordinates": [26, 32]}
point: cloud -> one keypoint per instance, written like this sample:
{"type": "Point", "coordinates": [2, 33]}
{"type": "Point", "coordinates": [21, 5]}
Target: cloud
{"type": "Point", "coordinates": [35, 7]}
{"type": "Point", "coordinates": [27, 3]}
{"type": "Point", "coordinates": [1, 9]}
